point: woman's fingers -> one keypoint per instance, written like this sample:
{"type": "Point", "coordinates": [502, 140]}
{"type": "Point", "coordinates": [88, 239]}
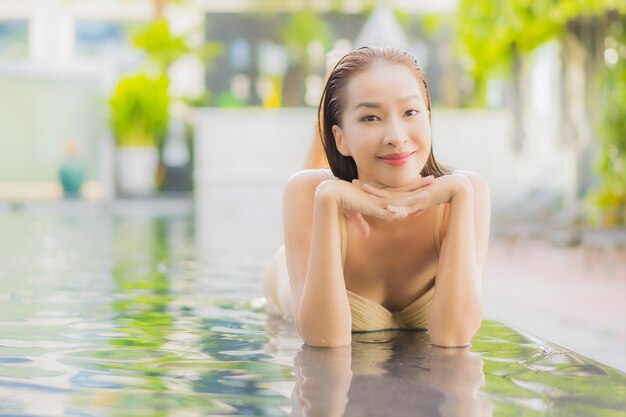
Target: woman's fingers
{"type": "Point", "coordinates": [401, 212]}
{"type": "Point", "coordinates": [385, 213]}
{"type": "Point", "coordinates": [358, 204]}
{"type": "Point", "coordinates": [420, 203]}
{"type": "Point", "coordinates": [412, 205]}
{"type": "Point", "coordinates": [411, 201]}
{"type": "Point", "coordinates": [362, 226]}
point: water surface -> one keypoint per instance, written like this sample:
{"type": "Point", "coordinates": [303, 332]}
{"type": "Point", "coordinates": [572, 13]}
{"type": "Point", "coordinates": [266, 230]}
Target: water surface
{"type": "Point", "coordinates": [108, 315]}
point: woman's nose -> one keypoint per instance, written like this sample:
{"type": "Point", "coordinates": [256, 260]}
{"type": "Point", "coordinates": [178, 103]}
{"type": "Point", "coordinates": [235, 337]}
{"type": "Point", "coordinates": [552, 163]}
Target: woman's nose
{"type": "Point", "coordinates": [395, 133]}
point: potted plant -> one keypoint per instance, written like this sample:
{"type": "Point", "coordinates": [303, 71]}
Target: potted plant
{"type": "Point", "coordinates": [139, 117]}
{"type": "Point", "coordinates": [140, 102]}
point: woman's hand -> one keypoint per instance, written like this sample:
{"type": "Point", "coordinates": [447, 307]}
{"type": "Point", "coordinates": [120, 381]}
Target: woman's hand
{"type": "Point", "coordinates": [419, 195]}
{"type": "Point", "coordinates": [353, 200]}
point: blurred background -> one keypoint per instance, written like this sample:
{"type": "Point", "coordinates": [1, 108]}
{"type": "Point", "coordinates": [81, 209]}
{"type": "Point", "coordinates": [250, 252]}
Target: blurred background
{"type": "Point", "coordinates": [531, 96]}
{"type": "Point", "coordinates": [207, 106]}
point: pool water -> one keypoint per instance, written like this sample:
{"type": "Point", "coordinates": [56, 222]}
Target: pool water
{"type": "Point", "coordinates": [108, 315]}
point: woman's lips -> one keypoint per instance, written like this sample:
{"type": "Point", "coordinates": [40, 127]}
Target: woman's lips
{"type": "Point", "coordinates": [397, 159]}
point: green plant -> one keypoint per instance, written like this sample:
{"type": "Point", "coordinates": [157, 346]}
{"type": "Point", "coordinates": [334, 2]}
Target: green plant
{"type": "Point", "coordinates": [163, 47]}
{"type": "Point", "coordinates": [492, 33]}
{"type": "Point", "coordinates": [140, 102]}
{"type": "Point", "coordinates": [610, 197]}
{"type": "Point", "coordinates": [139, 110]}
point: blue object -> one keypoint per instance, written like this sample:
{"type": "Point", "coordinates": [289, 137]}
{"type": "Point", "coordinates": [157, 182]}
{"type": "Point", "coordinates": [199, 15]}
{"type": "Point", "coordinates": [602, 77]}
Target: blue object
{"type": "Point", "coordinates": [71, 175]}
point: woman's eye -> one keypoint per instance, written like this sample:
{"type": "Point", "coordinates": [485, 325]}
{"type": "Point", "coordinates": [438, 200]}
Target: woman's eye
{"type": "Point", "coordinates": [411, 112]}
{"type": "Point", "coordinates": [369, 118]}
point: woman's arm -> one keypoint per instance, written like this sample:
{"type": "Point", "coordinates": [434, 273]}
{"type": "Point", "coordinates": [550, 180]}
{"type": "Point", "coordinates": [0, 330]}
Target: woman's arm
{"type": "Point", "coordinates": [456, 310]}
{"type": "Point", "coordinates": [313, 251]}
{"type": "Point", "coordinates": [312, 205]}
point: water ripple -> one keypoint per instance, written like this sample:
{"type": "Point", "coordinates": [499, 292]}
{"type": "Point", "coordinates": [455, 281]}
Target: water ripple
{"type": "Point", "coordinates": [131, 323]}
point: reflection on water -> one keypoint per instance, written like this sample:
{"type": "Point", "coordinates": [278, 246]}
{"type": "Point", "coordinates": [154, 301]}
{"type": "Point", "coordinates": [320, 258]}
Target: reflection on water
{"type": "Point", "coordinates": [108, 316]}
{"type": "Point", "coordinates": [389, 370]}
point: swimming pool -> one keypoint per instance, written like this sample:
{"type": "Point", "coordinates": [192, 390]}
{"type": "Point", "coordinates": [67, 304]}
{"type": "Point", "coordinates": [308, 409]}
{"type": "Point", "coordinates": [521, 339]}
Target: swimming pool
{"type": "Point", "coordinates": [109, 315]}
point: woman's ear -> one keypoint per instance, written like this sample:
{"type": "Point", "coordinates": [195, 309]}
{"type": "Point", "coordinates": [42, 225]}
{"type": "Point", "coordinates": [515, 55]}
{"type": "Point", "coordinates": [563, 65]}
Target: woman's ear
{"type": "Point", "coordinates": [339, 141]}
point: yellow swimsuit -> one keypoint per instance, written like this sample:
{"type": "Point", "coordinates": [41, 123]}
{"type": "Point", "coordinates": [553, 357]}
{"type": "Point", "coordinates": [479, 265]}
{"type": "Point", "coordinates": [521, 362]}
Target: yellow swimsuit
{"type": "Point", "coordinates": [368, 315]}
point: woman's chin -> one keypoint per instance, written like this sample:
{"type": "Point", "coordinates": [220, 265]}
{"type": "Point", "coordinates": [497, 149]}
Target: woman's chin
{"type": "Point", "coordinates": [397, 178]}
{"type": "Point", "coordinates": [396, 185]}
{"type": "Point", "coordinates": [399, 181]}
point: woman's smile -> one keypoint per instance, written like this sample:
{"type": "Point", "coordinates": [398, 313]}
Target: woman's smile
{"type": "Point", "coordinates": [396, 159]}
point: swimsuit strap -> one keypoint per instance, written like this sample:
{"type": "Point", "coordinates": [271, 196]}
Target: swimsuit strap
{"type": "Point", "coordinates": [438, 225]}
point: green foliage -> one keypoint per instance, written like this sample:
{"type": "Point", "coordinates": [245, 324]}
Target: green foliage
{"type": "Point", "coordinates": [491, 31]}
{"type": "Point", "coordinates": [206, 99]}
{"type": "Point", "coordinates": [302, 28]}
{"type": "Point", "coordinates": [164, 47]}
{"type": "Point", "coordinates": [139, 110]}
{"type": "Point", "coordinates": [272, 6]}
{"type": "Point", "coordinates": [140, 103]}
{"type": "Point", "coordinates": [160, 44]}
{"type": "Point", "coordinates": [228, 99]}
{"type": "Point", "coordinates": [432, 24]}
{"type": "Point", "coordinates": [611, 162]}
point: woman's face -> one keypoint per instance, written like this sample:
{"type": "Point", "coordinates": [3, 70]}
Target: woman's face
{"type": "Point", "coordinates": [385, 125]}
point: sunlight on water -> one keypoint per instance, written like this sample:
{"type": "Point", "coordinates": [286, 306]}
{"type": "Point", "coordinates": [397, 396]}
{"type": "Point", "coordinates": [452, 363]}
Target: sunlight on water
{"type": "Point", "coordinates": [106, 316]}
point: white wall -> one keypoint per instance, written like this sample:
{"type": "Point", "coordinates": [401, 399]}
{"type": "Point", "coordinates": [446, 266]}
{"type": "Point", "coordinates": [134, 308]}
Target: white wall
{"type": "Point", "coordinates": [242, 160]}
{"type": "Point", "coordinates": [251, 144]}
{"type": "Point", "coordinates": [266, 146]}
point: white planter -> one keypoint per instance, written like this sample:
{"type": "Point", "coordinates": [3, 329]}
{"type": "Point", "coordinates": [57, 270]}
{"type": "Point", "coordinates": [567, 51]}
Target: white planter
{"type": "Point", "coordinates": [136, 169]}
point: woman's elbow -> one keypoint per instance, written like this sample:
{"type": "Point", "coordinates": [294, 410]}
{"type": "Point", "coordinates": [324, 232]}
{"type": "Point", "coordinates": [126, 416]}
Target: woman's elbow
{"type": "Point", "coordinates": [455, 337]}
{"type": "Point", "coordinates": [324, 337]}
{"type": "Point", "coordinates": [451, 340]}
{"type": "Point", "coordinates": [323, 342]}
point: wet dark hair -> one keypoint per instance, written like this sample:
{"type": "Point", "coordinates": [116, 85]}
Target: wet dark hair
{"type": "Point", "coordinates": [332, 104]}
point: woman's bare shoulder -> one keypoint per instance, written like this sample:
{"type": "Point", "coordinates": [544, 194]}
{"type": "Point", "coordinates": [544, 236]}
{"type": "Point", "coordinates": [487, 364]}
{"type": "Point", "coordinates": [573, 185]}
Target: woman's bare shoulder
{"type": "Point", "coordinates": [299, 196]}
{"type": "Point", "coordinates": [478, 183]}
{"type": "Point", "coordinates": [307, 179]}
{"type": "Point", "coordinates": [471, 175]}
{"type": "Point", "coordinates": [482, 196]}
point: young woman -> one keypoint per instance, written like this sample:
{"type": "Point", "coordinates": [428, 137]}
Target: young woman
{"type": "Point", "coordinates": [390, 239]}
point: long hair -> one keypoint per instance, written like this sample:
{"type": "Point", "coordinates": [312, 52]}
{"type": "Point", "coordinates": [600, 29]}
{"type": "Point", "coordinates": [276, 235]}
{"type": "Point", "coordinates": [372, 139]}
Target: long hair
{"type": "Point", "coordinates": [333, 102]}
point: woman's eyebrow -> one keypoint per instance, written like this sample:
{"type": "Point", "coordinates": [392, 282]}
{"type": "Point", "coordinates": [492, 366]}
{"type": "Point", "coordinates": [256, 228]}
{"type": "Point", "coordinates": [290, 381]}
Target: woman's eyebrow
{"type": "Point", "coordinates": [368, 105]}
{"type": "Point", "coordinates": [408, 98]}
{"type": "Point", "coordinates": [371, 105]}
